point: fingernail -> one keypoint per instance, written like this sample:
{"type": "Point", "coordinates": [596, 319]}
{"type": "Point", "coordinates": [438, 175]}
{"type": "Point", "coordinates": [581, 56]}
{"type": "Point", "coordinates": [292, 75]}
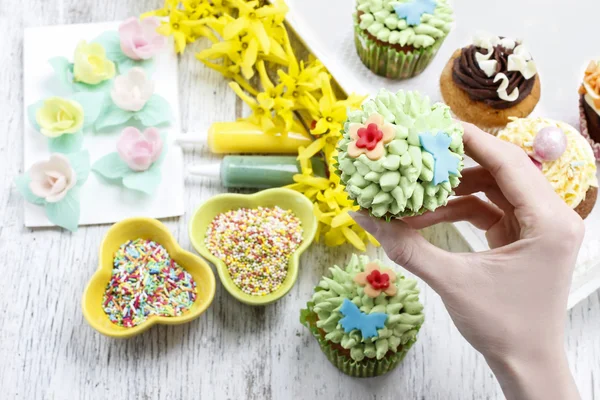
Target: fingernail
{"type": "Point", "coordinates": [365, 221]}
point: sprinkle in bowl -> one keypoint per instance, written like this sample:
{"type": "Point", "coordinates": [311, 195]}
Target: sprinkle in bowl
{"type": "Point", "coordinates": [153, 230]}
{"type": "Point", "coordinates": [285, 199]}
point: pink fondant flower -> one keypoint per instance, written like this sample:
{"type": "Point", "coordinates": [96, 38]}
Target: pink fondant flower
{"type": "Point", "coordinates": [376, 280]}
{"type": "Point", "coordinates": [369, 138]}
{"type": "Point", "coordinates": [139, 150]}
{"type": "Point", "coordinates": [52, 179]}
{"type": "Point", "coordinates": [139, 39]}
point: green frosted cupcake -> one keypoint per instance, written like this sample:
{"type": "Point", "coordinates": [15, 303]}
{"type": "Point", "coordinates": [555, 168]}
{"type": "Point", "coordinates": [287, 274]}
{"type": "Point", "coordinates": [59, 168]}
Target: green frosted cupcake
{"type": "Point", "coordinates": [399, 38]}
{"type": "Point", "coordinates": [400, 156]}
{"type": "Point", "coordinates": [365, 317]}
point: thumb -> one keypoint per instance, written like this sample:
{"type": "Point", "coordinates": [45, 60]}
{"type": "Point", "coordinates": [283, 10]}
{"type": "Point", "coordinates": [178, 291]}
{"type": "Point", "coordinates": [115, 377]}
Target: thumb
{"type": "Point", "coordinates": [407, 248]}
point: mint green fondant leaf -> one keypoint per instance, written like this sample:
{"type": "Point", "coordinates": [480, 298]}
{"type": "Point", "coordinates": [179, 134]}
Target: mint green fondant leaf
{"type": "Point", "coordinates": [146, 181]}
{"type": "Point", "coordinates": [112, 116]}
{"type": "Point", "coordinates": [31, 111]}
{"type": "Point", "coordinates": [127, 63]}
{"type": "Point", "coordinates": [22, 183]}
{"type": "Point", "coordinates": [66, 143]}
{"type": "Point", "coordinates": [93, 105]}
{"type": "Point", "coordinates": [111, 166]}
{"type": "Point", "coordinates": [103, 86]}
{"type": "Point", "coordinates": [65, 213]}
{"type": "Point", "coordinates": [62, 71]}
{"type": "Point", "coordinates": [80, 162]}
{"type": "Point", "coordinates": [112, 45]}
{"type": "Point", "coordinates": [157, 111]}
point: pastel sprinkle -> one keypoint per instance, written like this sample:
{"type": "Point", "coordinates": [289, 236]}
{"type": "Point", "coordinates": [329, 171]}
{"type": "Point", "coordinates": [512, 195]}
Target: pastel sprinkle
{"type": "Point", "coordinates": [255, 245]}
{"type": "Point", "coordinates": [145, 281]}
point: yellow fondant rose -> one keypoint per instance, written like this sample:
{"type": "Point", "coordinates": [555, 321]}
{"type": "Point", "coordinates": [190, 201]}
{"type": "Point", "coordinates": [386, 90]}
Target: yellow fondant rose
{"type": "Point", "coordinates": [90, 64]}
{"type": "Point", "coordinates": [59, 116]}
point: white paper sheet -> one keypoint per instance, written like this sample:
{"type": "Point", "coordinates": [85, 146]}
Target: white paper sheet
{"type": "Point", "coordinates": [101, 202]}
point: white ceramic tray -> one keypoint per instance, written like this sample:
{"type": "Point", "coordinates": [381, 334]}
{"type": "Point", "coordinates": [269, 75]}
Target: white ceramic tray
{"type": "Point", "coordinates": [327, 30]}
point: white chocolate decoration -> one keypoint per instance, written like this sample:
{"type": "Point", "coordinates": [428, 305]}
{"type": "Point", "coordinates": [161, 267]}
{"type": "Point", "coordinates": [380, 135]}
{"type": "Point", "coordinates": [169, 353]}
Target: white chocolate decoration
{"type": "Point", "coordinates": [521, 61]}
{"type": "Point", "coordinates": [502, 93]}
{"type": "Point", "coordinates": [488, 67]}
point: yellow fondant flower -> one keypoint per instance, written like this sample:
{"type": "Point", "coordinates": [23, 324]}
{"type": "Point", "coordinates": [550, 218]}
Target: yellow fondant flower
{"type": "Point", "coordinates": [376, 280]}
{"type": "Point", "coordinates": [369, 138]}
{"type": "Point", "coordinates": [90, 64]}
{"type": "Point", "coordinates": [59, 116]}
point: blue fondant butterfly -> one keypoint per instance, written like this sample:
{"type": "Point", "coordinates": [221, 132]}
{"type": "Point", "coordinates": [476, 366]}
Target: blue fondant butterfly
{"type": "Point", "coordinates": [356, 319]}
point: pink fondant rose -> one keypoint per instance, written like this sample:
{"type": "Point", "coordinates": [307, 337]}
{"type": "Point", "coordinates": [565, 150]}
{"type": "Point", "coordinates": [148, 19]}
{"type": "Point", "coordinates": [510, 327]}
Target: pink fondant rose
{"type": "Point", "coordinates": [52, 179]}
{"type": "Point", "coordinates": [139, 150]}
{"type": "Point", "coordinates": [139, 39]}
{"type": "Point", "coordinates": [376, 280]}
{"type": "Point", "coordinates": [369, 138]}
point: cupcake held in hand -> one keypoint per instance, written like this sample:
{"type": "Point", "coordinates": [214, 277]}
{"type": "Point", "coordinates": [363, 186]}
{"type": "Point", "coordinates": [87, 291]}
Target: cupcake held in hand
{"type": "Point", "coordinates": [399, 38]}
{"type": "Point", "coordinates": [400, 156]}
{"type": "Point", "coordinates": [365, 317]}
{"type": "Point", "coordinates": [589, 106]}
{"type": "Point", "coordinates": [490, 81]}
{"type": "Point", "coordinates": [563, 156]}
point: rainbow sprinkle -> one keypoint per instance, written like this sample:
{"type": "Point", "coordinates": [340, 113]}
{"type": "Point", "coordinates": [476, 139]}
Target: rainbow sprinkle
{"type": "Point", "coordinates": [256, 245]}
{"type": "Point", "coordinates": [145, 282]}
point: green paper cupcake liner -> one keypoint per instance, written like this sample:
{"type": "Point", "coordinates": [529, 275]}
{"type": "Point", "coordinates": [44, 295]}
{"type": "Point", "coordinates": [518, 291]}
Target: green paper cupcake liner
{"type": "Point", "coordinates": [386, 61]}
{"type": "Point", "coordinates": [366, 368]}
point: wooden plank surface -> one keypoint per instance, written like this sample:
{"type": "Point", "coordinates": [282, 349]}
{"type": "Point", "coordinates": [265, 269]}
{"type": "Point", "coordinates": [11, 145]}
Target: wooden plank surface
{"type": "Point", "coordinates": [47, 351]}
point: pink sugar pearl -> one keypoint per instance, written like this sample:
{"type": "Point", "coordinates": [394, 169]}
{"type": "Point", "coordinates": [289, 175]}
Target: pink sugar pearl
{"type": "Point", "coordinates": [549, 144]}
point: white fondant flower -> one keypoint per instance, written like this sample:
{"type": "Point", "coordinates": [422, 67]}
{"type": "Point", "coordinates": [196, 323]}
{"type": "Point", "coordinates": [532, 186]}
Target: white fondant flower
{"type": "Point", "coordinates": [52, 179]}
{"type": "Point", "coordinates": [132, 91]}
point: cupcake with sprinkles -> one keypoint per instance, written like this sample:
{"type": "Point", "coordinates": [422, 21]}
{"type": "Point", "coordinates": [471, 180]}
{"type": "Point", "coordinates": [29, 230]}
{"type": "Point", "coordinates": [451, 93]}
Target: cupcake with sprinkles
{"type": "Point", "coordinates": [398, 39]}
{"type": "Point", "coordinates": [490, 81]}
{"type": "Point", "coordinates": [563, 156]}
{"type": "Point", "coordinates": [365, 317]}
{"type": "Point", "coordinates": [589, 106]}
{"type": "Point", "coordinates": [400, 155]}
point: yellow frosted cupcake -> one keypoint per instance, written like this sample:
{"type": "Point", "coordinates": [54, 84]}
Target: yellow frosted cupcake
{"type": "Point", "coordinates": [562, 154]}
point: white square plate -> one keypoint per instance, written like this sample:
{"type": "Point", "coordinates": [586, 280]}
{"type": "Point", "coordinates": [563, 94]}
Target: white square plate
{"type": "Point", "coordinates": [327, 29]}
{"type": "Point", "coordinates": [100, 202]}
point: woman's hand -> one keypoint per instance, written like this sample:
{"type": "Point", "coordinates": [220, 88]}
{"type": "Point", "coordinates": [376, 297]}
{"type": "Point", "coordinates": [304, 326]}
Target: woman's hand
{"type": "Point", "coordinates": [510, 302]}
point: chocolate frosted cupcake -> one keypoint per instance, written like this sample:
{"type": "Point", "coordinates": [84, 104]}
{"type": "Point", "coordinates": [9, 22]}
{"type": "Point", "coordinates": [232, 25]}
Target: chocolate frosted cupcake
{"type": "Point", "coordinates": [399, 38]}
{"type": "Point", "coordinates": [589, 106]}
{"type": "Point", "coordinates": [490, 81]}
{"type": "Point", "coordinates": [563, 156]}
{"type": "Point", "coordinates": [365, 317]}
{"type": "Point", "coordinates": [400, 156]}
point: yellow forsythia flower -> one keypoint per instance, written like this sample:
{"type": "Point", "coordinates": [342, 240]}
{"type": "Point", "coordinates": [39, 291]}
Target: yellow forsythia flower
{"type": "Point", "coordinates": [90, 64]}
{"type": "Point", "coordinates": [59, 116]}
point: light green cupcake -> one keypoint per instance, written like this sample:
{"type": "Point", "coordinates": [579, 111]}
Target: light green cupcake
{"type": "Point", "coordinates": [415, 160]}
{"type": "Point", "coordinates": [399, 38]}
{"type": "Point", "coordinates": [365, 317]}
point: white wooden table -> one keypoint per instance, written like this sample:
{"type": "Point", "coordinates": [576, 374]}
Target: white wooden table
{"type": "Point", "coordinates": [233, 351]}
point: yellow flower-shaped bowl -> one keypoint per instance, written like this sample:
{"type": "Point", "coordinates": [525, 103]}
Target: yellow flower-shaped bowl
{"type": "Point", "coordinates": [284, 198]}
{"type": "Point", "coordinates": [149, 229]}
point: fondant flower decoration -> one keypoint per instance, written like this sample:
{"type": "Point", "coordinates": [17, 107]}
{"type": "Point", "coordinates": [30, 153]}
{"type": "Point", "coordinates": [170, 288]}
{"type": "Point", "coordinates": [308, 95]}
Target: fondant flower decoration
{"type": "Point", "coordinates": [59, 116]}
{"type": "Point", "coordinates": [133, 97]}
{"type": "Point", "coordinates": [90, 64]}
{"type": "Point", "coordinates": [369, 138]}
{"type": "Point", "coordinates": [139, 38]}
{"type": "Point", "coordinates": [64, 119]}
{"type": "Point", "coordinates": [139, 150]}
{"type": "Point", "coordinates": [132, 91]}
{"type": "Point", "coordinates": [137, 161]}
{"type": "Point", "coordinates": [54, 184]}
{"type": "Point", "coordinates": [376, 280]}
{"type": "Point", "coordinates": [356, 319]}
{"type": "Point", "coordinates": [445, 163]}
{"type": "Point", "coordinates": [413, 10]}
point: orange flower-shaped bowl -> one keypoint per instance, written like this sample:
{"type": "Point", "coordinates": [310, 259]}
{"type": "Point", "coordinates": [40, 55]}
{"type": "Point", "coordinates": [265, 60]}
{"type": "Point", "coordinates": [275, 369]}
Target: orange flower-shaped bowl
{"type": "Point", "coordinates": [149, 229]}
{"type": "Point", "coordinates": [284, 198]}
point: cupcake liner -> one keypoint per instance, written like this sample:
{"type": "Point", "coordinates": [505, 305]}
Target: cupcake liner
{"type": "Point", "coordinates": [386, 61]}
{"type": "Point", "coordinates": [366, 368]}
{"type": "Point", "coordinates": [585, 132]}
